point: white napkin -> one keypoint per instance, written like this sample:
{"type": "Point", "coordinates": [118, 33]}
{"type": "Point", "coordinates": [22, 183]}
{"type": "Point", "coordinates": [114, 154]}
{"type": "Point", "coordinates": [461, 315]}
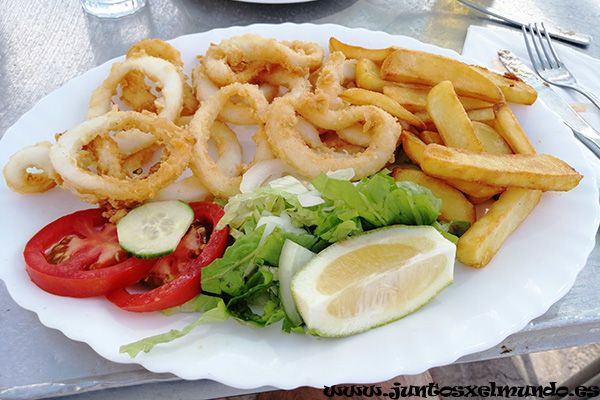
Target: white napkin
{"type": "Point", "coordinates": [482, 44]}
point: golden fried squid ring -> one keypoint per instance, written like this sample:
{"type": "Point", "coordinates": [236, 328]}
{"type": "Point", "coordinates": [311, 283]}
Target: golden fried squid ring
{"type": "Point", "coordinates": [288, 145]}
{"type": "Point", "coordinates": [263, 151]}
{"type": "Point", "coordinates": [137, 94]}
{"type": "Point", "coordinates": [133, 141]}
{"type": "Point", "coordinates": [230, 153]}
{"type": "Point", "coordinates": [310, 134]}
{"type": "Point", "coordinates": [201, 126]}
{"type": "Point", "coordinates": [314, 107]}
{"type": "Point", "coordinates": [133, 150]}
{"type": "Point", "coordinates": [327, 109]}
{"type": "Point", "coordinates": [104, 156]}
{"type": "Point", "coordinates": [354, 134]}
{"type": "Point", "coordinates": [239, 113]}
{"type": "Point", "coordinates": [165, 74]}
{"type": "Point", "coordinates": [323, 107]}
{"type": "Point", "coordinates": [29, 170]}
{"type": "Point", "coordinates": [241, 58]}
{"type": "Point", "coordinates": [118, 192]}
{"type": "Point", "coordinates": [119, 154]}
{"type": "Point", "coordinates": [335, 73]}
{"type": "Point", "coordinates": [278, 76]}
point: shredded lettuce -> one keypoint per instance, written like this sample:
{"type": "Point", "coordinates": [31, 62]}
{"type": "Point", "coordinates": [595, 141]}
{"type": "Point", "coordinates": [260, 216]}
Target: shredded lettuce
{"type": "Point", "coordinates": [243, 284]}
{"type": "Point", "coordinates": [217, 313]}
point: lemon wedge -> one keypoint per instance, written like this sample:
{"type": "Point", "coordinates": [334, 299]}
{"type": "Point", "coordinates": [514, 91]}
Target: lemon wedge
{"type": "Point", "coordinates": [373, 278]}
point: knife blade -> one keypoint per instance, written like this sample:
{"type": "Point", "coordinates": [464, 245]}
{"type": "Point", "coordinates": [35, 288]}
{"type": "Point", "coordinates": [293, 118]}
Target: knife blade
{"type": "Point", "coordinates": [582, 130]}
{"type": "Point", "coordinates": [580, 39]}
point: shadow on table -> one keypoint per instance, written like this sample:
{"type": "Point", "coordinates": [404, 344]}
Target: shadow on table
{"type": "Point", "coordinates": [209, 14]}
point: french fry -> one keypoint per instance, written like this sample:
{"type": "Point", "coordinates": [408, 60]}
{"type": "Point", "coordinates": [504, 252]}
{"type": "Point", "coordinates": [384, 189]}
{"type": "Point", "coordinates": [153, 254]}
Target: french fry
{"type": "Point", "coordinates": [415, 99]}
{"type": "Point", "coordinates": [455, 206]}
{"type": "Point", "coordinates": [430, 137]}
{"type": "Point", "coordinates": [413, 66]}
{"type": "Point", "coordinates": [528, 171]}
{"type": "Point", "coordinates": [412, 99]}
{"type": "Point", "coordinates": [414, 148]}
{"type": "Point", "coordinates": [368, 75]}
{"type": "Point", "coordinates": [470, 103]}
{"type": "Point", "coordinates": [492, 141]}
{"type": "Point", "coordinates": [507, 125]}
{"type": "Point", "coordinates": [360, 96]}
{"type": "Point", "coordinates": [451, 119]}
{"type": "Point", "coordinates": [482, 115]}
{"type": "Point", "coordinates": [483, 239]}
{"type": "Point", "coordinates": [514, 89]}
{"type": "Point", "coordinates": [357, 52]}
{"type": "Point", "coordinates": [475, 190]}
{"type": "Point", "coordinates": [426, 118]}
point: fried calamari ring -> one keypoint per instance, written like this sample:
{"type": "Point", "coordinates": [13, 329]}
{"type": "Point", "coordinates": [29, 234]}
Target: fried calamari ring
{"type": "Point", "coordinates": [241, 58]}
{"type": "Point", "coordinates": [202, 164]}
{"type": "Point", "coordinates": [288, 145]}
{"type": "Point", "coordinates": [333, 76]}
{"type": "Point", "coordinates": [278, 76]}
{"type": "Point", "coordinates": [133, 141]}
{"type": "Point", "coordinates": [326, 108]}
{"type": "Point", "coordinates": [119, 154]}
{"type": "Point", "coordinates": [323, 107]}
{"type": "Point", "coordinates": [117, 192]}
{"type": "Point", "coordinates": [156, 48]}
{"type": "Point", "coordinates": [166, 75]}
{"type": "Point", "coordinates": [263, 151]}
{"type": "Point", "coordinates": [239, 113]}
{"type": "Point", "coordinates": [29, 170]}
{"type": "Point", "coordinates": [333, 140]}
{"type": "Point", "coordinates": [355, 135]}
{"type": "Point", "coordinates": [137, 94]}
{"type": "Point", "coordinates": [133, 150]}
{"type": "Point", "coordinates": [230, 154]}
{"type": "Point", "coordinates": [104, 156]}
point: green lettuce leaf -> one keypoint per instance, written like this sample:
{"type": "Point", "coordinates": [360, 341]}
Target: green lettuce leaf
{"type": "Point", "coordinates": [218, 313]}
{"type": "Point", "coordinates": [381, 201]}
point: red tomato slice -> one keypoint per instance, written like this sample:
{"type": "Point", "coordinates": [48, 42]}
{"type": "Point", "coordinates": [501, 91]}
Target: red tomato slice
{"type": "Point", "coordinates": [185, 264]}
{"type": "Point", "coordinates": [78, 255]}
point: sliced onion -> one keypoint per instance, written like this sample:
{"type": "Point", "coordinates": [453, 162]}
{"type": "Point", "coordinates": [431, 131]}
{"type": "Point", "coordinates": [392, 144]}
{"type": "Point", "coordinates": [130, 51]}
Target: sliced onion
{"type": "Point", "coordinates": [292, 258]}
{"type": "Point", "coordinates": [283, 221]}
{"type": "Point", "coordinates": [262, 172]}
{"type": "Point", "coordinates": [310, 198]}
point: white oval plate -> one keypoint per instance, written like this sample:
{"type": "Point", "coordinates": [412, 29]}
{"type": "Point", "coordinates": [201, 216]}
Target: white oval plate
{"type": "Point", "coordinates": [535, 267]}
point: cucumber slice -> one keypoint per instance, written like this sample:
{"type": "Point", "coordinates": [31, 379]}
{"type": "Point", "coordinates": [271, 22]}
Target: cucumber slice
{"type": "Point", "coordinates": [154, 229]}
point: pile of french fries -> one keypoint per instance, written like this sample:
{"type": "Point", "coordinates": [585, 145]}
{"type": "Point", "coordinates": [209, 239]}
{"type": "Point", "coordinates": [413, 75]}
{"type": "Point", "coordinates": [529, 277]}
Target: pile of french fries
{"type": "Point", "coordinates": [469, 148]}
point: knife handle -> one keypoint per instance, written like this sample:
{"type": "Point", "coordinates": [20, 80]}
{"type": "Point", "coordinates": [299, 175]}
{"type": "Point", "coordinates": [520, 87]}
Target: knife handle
{"type": "Point", "coordinates": [580, 39]}
{"type": "Point", "coordinates": [589, 138]}
{"type": "Point", "coordinates": [590, 96]}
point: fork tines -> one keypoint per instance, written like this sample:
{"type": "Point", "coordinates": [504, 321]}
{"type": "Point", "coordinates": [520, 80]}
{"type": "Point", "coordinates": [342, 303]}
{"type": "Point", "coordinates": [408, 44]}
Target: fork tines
{"type": "Point", "coordinates": [538, 41]}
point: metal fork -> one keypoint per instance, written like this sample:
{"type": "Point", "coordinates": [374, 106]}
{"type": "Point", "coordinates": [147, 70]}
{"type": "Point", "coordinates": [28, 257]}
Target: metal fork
{"type": "Point", "coordinates": [548, 64]}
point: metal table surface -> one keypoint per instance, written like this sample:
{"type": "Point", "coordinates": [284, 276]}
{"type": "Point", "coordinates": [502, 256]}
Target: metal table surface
{"type": "Point", "coordinates": [45, 44]}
